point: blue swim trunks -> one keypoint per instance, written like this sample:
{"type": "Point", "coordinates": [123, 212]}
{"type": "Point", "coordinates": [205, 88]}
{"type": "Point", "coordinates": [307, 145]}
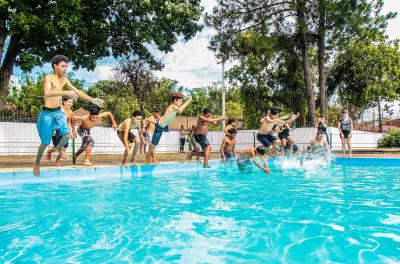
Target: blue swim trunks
{"type": "Point", "coordinates": [158, 133]}
{"type": "Point", "coordinates": [266, 140]}
{"type": "Point", "coordinates": [51, 119]}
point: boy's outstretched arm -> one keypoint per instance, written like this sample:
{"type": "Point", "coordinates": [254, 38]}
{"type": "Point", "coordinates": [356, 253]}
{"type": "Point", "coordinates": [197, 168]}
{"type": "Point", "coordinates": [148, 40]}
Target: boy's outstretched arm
{"type": "Point", "coordinates": [83, 95]}
{"type": "Point", "coordinates": [185, 104]}
{"type": "Point", "coordinates": [109, 115]}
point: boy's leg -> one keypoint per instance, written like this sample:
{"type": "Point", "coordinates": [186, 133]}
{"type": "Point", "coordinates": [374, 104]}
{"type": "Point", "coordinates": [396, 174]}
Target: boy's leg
{"type": "Point", "coordinates": [79, 152]}
{"type": "Point", "coordinates": [45, 128]}
{"type": "Point", "coordinates": [50, 151]}
{"type": "Point", "coordinates": [58, 163]}
{"type": "Point", "coordinates": [135, 150]}
{"type": "Point", "coordinates": [60, 147]}
{"type": "Point", "coordinates": [87, 156]}
{"type": "Point", "coordinates": [126, 153]}
{"type": "Point", "coordinates": [149, 154]}
{"type": "Point", "coordinates": [36, 167]}
{"type": "Point", "coordinates": [207, 151]}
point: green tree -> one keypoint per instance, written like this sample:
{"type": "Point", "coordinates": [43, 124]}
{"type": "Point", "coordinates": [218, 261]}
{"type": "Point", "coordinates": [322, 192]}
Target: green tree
{"type": "Point", "coordinates": [366, 74]}
{"type": "Point", "coordinates": [33, 31]}
{"type": "Point", "coordinates": [119, 99]}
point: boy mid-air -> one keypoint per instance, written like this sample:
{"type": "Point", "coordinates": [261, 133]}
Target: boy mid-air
{"type": "Point", "coordinates": [161, 126]}
{"type": "Point", "coordinates": [88, 122]}
{"type": "Point", "coordinates": [51, 117]}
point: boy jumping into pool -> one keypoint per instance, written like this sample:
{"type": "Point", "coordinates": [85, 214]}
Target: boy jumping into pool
{"type": "Point", "coordinates": [150, 123]}
{"type": "Point", "coordinates": [200, 135]}
{"type": "Point", "coordinates": [66, 108]}
{"type": "Point", "coordinates": [161, 126]}
{"type": "Point", "coordinates": [127, 137]}
{"type": "Point", "coordinates": [228, 145]}
{"type": "Point", "coordinates": [88, 122]}
{"type": "Point", "coordinates": [52, 117]}
{"type": "Point", "coordinates": [253, 153]}
{"type": "Point", "coordinates": [267, 122]}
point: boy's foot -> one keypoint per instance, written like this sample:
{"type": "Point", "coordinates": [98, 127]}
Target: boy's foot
{"type": "Point", "coordinates": [58, 163]}
{"type": "Point", "coordinates": [123, 164]}
{"type": "Point", "coordinates": [87, 163]}
{"type": "Point", "coordinates": [36, 170]}
{"type": "Point", "coordinates": [206, 166]}
{"type": "Point", "coordinates": [133, 162]}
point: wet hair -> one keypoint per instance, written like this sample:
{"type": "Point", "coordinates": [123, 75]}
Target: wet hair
{"type": "Point", "coordinates": [137, 113]}
{"type": "Point", "coordinates": [57, 59]}
{"type": "Point", "coordinates": [157, 110]}
{"type": "Point", "coordinates": [232, 130]}
{"type": "Point", "coordinates": [206, 111]}
{"type": "Point", "coordinates": [176, 96]}
{"type": "Point", "coordinates": [66, 98]}
{"type": "Point", "coordinates": [94, 110]}
{"type": "Point", "coordinates": [320, 133]}
{"type": "Point", "coordinates": [260, 150]}
{"type": "Point", "coordinates": [230, 121]}
{"type": "Point", "coordinates": [345, 111]}
{"type": "Point", "coordinates": [275, 111]}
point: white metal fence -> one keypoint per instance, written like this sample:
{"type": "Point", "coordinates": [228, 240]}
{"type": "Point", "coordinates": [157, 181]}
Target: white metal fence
{"type": "Point", "coordinates": [22, 139]}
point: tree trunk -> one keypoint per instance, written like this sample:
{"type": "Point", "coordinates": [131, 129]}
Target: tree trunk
{"type": "Point", "coordinates": [3, 30]}
{"type": "Point", "coordinates": [380, 117]}
{"type": "Point", "coordinates": [321, 58]}
{"type": "Point", "coordinates": [303, 43]}
{"type": "Point", "coordinates": [7, 67]}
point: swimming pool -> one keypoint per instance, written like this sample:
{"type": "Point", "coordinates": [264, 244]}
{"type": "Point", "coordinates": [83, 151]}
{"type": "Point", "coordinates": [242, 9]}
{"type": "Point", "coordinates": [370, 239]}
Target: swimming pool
{"type": "Point", "coordinates": [180, 213]}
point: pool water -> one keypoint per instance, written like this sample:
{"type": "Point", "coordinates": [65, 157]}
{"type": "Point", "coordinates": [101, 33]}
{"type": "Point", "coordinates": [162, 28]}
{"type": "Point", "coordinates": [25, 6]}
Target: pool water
{"type": "Point", "coordinates": [347, 212]}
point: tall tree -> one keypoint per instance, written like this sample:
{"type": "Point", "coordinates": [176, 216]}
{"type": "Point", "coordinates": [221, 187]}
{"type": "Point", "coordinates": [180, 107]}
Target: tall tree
{"type": "Point", "coordinates": [335, 23]}
{"type": "Point", "coordinates": [33, 31]}
{"type": "Point", "coordinates": [265, 18]}
{"type": "Point", "coordinates": [136, 73]}
{"type": "Point", "coordinates": [367, 74]}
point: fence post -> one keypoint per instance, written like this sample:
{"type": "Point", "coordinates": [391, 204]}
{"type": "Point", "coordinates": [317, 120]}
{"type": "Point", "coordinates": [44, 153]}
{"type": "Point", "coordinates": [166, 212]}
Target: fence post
{"type": "Point", "coordinates": [73, 150]}
{"type": "Point", "coordinates": [254, 139]}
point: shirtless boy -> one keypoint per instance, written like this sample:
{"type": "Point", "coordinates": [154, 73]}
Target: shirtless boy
{"type": "Point", "coordinates": [228, 145]}
{"type": "Point", "coordinates": [267, 122]}
{"type": "Point", "coordinates": [127, 137]}
{"type": "Point", "coordinates": [150, 123]}
{"type": "Point", "coordinates": [252, 153]}
{"type": "Point", "coordinates": [201, 133]}
{"type": "Point", "coordinates": [66, 108]}
{"type": "Point", "coordinates": [161, 126]}
{"type": "Point", "coordinates": [52, 117]}
{"type": "Point", "coordinates": [88, 122]}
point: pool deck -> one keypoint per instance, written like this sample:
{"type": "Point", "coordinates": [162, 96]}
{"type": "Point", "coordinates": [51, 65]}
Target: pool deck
{"type": "Point", "coordinates": [25, 163]}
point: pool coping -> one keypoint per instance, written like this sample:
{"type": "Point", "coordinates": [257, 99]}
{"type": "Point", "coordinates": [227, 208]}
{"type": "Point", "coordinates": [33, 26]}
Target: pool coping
{"type": "Point", "coordinates": [174, 165]}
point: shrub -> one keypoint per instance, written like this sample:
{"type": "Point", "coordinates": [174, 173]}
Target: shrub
{"type": "Point", "coordinates": [391, 140]}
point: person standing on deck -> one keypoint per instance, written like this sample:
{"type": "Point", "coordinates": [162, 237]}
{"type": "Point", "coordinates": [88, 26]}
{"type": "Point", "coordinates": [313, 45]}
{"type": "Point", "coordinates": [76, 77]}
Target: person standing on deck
{"type": "Point", "coordinates": [51, 117]}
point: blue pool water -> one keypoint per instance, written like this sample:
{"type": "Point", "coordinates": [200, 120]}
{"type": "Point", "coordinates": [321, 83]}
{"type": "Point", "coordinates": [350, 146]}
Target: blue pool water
{"type": "Point", "coordinates": [348, 212]}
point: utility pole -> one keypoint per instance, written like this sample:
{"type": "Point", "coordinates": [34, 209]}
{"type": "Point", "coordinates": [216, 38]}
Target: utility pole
{"type": "Point", "coordinates": [223, 92]}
